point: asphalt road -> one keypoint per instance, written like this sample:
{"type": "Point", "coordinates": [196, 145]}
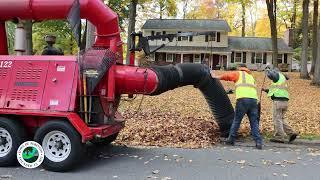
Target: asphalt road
{"type": "Point", "coordinates": [219, 162]}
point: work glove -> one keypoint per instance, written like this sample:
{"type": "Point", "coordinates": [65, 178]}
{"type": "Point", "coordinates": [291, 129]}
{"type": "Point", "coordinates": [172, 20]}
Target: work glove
{"type": "Point", "coordinates": [229, 91]}
{"type": "Point", "coordinates": [265, 90]}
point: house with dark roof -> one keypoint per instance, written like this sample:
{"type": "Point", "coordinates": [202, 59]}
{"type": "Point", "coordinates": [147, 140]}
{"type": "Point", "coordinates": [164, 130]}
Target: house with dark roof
{"type": "Point", "coordinates": [217, 50]}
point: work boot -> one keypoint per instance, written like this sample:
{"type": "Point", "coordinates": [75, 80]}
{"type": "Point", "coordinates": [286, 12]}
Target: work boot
{"type": "Point", "coordinates": [259, 146]}
{"type": "Point", "coordinates": [292, 137]}
{"type": "Point", "coordinates": [229, 141]}
{"type": "Point", "coordinates": [277, 139]}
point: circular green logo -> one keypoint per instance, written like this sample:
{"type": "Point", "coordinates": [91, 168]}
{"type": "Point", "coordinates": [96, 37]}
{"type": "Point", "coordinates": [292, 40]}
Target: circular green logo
{"type": "Point", "coordinates": [30, 154]}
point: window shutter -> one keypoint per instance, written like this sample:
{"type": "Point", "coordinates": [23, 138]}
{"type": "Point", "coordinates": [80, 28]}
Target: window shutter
{"type": "Point", "coordinates": [207, 38]}
{"type": "Point", "coordinates": [252, 58]}
{"type": "Point", "coordinates": [163, 32]}
{"type": "Point", "coordinates": [218, 36]}
{"type": "Point", "coordinates": [232, 57]}
{"type": "Point", "coordinates": [190, 38]}
{"type": "Point", "coordinates": [286, 58]}
{"type": "Point", "coordinates": [244, 57]}
{"type": "Point", "coordinates": [179, 38]}
{"type": "Point", "coordinates": [264, 58]}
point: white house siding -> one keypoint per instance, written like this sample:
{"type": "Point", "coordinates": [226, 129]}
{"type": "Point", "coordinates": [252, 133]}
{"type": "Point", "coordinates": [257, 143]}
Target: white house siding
{"type": "Point", "coordinates": [259, 66]}
{"type": "Point", "coordinates": [197, 40]}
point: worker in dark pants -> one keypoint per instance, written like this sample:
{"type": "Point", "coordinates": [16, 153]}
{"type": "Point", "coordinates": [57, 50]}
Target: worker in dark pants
{"type": "Point", "coordinates": [246, 95]}
{"type": "Point", "coordinates": [279, 94]}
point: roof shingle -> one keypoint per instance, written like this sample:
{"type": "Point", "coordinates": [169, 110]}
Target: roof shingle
{"type": "Point", "coordinates": [188, 24]}
{"type": "Point", "coordinates": [255, 43]}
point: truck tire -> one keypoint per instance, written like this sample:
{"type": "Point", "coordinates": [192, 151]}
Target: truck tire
{"type": "Point", "coordinates": [105, 141]}
{"type": "Point", "coordinates": [61, 144]}
{"type": "Point", "coordinates": [12, 135]}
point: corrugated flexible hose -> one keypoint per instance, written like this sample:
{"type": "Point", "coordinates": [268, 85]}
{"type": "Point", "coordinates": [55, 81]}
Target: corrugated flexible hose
{"type": "Point", "coordinates": [198, 75]}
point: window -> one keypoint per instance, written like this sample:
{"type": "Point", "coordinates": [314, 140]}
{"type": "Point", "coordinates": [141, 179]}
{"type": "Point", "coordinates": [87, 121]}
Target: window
{"type": "Point", "coordinates": [169, 58]}
{"type": "Point", "coordinates": [179, 38]}
{"type": "Point", "coordinates": [218, 36]}
{"type": "Point", "coordinates": [185, 38]}
{"type": "Point", "coordinates": [211, 37]}
{"type": "Point", "coordinates": [238, 57]}
{"type": "Point", "coordinates": [279, 58]}
{"type": "Point", "coordinates": [259, 58]}
{"type": "Point", "coordinates": [197, 58]}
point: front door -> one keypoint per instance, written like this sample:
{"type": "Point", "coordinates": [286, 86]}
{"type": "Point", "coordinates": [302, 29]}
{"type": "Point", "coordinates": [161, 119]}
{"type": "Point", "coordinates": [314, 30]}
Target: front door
{"type": "Point", "coordinates": [188, 58]}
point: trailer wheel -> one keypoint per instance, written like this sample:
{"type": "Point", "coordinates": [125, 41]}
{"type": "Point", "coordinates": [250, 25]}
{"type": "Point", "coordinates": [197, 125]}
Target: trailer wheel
{"type": "Point", "coordinates": [12, 134]}
{"type": "Point", "coordinates": [105, 141]}
{"type": "Point", "coordinates": [61, 144]}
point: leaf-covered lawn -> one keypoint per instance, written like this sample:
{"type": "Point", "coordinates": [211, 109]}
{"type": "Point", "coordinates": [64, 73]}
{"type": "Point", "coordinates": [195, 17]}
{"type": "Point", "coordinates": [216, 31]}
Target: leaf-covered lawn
{"type": "Point", "coordinates": [181, 117]}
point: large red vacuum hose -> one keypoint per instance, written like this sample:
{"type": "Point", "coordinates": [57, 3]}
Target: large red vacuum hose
{"type": "Point", "coordinates": [159, 79]}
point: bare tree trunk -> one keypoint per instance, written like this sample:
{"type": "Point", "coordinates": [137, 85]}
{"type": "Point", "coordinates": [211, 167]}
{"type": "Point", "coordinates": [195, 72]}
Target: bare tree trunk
{"type": "Point", "coordinates": [29, 44]}
{"type": "Point", "coordinates": [272, 13]}
{"type": "Point", "coordinates": [185, 5]}
{"type": "Point", "coordinates": [294, 14]}
{"type": "Point", "coordinates": [316, 75]}
{"type": "Point", "coordinates": [314, 35]}
{"type": "Point", "coordinates": [304, 54]}
{"type": "Point", "coordinates": [253, 19]}
{"type": "Point", "coordinates": [243, 31]}
{"type": "Point", "coordinates": [132, 25]}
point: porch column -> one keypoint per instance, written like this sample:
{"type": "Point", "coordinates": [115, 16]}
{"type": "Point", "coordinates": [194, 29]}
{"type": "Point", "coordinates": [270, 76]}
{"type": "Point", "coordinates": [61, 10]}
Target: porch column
{"type": "Point", "coordinates": [228, 59]}
{"type": "Point", "coordinates": [181, 58]}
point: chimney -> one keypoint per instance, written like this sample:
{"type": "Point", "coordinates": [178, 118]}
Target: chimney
{"type": "Point", "coordinates": [289, 37]}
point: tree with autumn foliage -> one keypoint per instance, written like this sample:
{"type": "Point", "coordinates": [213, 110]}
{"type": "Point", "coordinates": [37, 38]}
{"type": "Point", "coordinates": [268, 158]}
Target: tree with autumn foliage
{"type": "Point", "coordinates": [244, 4]}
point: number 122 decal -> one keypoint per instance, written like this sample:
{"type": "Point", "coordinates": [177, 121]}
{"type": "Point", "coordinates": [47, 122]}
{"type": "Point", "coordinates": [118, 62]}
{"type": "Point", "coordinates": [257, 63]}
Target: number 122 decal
{"type": "Point", "coordinates": [5, 64]}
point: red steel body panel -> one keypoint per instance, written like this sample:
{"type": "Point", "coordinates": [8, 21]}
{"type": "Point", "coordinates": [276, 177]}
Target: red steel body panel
{"type": "Point", "coordinates": [25, 89]}
{"type": "Point", "coordinates": [74, 90]}
{"type": "Point", "coordinates": [58, 88]}
{"type": "Point", "coordinates": [5, 75]}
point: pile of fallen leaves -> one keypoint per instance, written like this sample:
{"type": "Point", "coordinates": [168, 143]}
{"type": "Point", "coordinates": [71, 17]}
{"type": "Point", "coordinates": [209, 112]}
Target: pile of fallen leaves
{"type": "Point", "coordinates": [182, 118]}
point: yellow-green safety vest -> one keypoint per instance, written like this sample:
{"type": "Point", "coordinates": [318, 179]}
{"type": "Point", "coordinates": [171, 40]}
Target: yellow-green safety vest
{"type": "Point", "coordinates": [280, 88]}
{"type": "Point", "coordinates": [245, 86]}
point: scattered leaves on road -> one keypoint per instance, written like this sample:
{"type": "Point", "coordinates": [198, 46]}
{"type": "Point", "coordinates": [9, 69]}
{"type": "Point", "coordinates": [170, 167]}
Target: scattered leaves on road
{"type": "Point", "coordinates": [241, 162]}
{"type": "Point", "coordinates": [155, 172]}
